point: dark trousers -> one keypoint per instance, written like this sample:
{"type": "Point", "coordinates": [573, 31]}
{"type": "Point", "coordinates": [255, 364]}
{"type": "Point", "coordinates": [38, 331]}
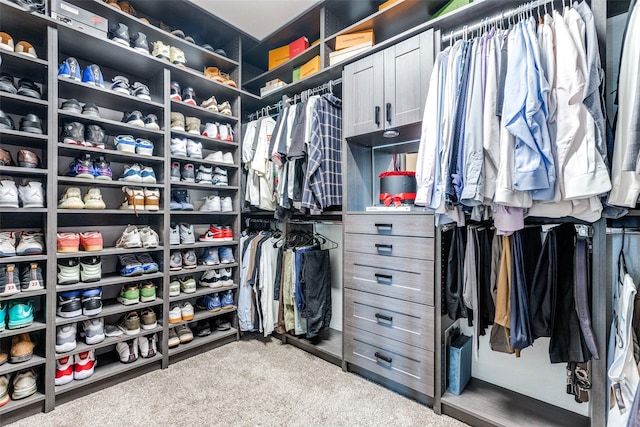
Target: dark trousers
{"type": "Point", "coordinates": [316, 283]}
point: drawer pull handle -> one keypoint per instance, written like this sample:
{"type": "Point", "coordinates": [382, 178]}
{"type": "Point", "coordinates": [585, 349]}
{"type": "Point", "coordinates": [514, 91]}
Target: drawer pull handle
{"type": "Point", "coordinates": [384, 317]}
{"type": "Point", "coordinates": [377, 115]}
{"type": "Point", "coordinates": [380, 246]}
{"type": "Point", "coordinates": [382, 357]}
{"type": "Point", "coordinates": [386, 277]}
{"type": "Point", "coordinates": [383, 225]}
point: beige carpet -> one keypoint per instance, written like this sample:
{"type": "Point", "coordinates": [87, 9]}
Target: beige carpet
{"type": "Point", "coordinates": [245, 383]}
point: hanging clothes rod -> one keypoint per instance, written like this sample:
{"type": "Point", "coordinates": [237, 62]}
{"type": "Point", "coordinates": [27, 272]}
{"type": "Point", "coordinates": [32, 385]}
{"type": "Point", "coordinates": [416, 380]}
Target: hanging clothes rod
{"type": "Point", "coordinates": [523, 9]}
{"type": "Point", "coordinates": [264, 111]}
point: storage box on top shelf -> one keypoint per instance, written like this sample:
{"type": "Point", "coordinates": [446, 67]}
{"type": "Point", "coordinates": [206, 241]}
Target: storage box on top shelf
{"type": "Point", "coordinates": [298, 46]}
{"type": "Point", "coordinates": [278, 56]}
{"type": "Point", "coordinates": [387, 4]}
{"type": "Point", "coordinates": [347, 40]}
{"type": "Point", "coordinates": [311, 67]}
{"type": "Point", "coordinates": [296, 74]}
{"type": "Point", "coordinates": [271, 88]}
{"type": "Point", "coordinates": [79, 19]}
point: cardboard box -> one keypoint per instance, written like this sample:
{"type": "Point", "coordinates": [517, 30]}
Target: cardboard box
{"type": "Point", "coordinates": [269, 89]}
{"type": "Point", "coordinates": [347, 40]}
{"type": "Point", "coordinates": [298, 46]}
{"type": "Point", "coordinates": [273, 82]}
{"type": "Point", "coordinates": [343, 54]}
{"type": "Point", "coordinates": [278, 56]}
{"type": "Point", "coordinates": [296, 74]}
{"type": "Point", "coordinates": [311, 67]}
{"type": "Point", "coordinates": [387, 4]}
{"type": "Point", "coordinates": [79, 19]}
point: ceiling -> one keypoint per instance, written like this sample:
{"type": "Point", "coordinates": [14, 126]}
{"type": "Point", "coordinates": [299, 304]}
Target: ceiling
{"type": "Point", "coordinates": [258, 18]}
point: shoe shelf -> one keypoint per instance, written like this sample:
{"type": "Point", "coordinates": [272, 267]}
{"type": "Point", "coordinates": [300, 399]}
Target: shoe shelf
{"type": "Point", "coordinates": [204, 86]}
{"type": "Point", "coordinates": [109, 211]}
{"type": "Point", "coordinates": [22, 258]}
{"type": "Point", "coordinates": [104, 182]}
{"type": "Point", "coordinates": [35, 360]}
{"type": "Point", "coordinates": [109, 370]}
{"type": "Point", "coordinates": [109, 280]}
{"type": "Point", "coordinates": [200, 112]}
{"type": "Point", "coordinates": [233, 213]}
{"type": "Point", "coordinates": [82, 346]}
{"type": "Point", "coordinates": [22, 105]}
{"type": "Point", "coordinates": [106, 98]}
{"type": "Point", "coordinates": [24, 63]}
{"type": "Point", "coordinates": [23, 295]}
{"type": "Point", "coordinates": [202, 186]}
{"type": "Point", "coordinates": [35, 326]}
{"type": "Point", "coordinates": [23, 210]}
{"type": "Point", "coordinates": [74, 150]}
{"type": "Point", "coordinates": [108, 251]}
{"type": "Point", "coordinates": [112, 127]}
{"type": "Point", "coordinates": [203, 314]}
{"type": "Point", "coordinates": [14, 405]}
{"type": "Point", "coordinates": [27, 139]}
{"type": "Point", "coordinates": [218, 142]}
{"type": "Point", "coordinates": [203, 162]}
{"type": "Point", "coordinates": [200, 341]}
{"type": "Point", "coordinates": [205, 245]}
{"type": "Point", "coordinates": [200, 291]}
{"type": "Point", "coordinates": [200, 268]}
{"type": "Point", "coordinates": [109, 307]}
{"type": "Point", "coordinates": [21, 171]}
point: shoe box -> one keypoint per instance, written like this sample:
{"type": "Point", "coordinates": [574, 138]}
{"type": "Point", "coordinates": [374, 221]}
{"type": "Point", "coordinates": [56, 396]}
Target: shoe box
{"type": "Point", "coordinates": [79, 18]}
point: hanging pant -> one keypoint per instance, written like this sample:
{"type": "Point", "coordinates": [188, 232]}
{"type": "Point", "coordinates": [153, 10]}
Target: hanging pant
{"type": "Point", "coordinates": [316, 282]}
{"type": "Point", "coordinates": [455, 279]}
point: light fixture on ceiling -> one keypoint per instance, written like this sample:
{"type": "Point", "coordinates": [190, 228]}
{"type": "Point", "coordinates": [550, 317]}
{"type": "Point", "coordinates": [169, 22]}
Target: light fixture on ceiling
{"type": "Point", "coordinates": [390, 133]}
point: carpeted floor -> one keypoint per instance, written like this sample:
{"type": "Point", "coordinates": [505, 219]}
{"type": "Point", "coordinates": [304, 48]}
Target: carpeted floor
{"type": "Point", "coordinates": [245, 383]}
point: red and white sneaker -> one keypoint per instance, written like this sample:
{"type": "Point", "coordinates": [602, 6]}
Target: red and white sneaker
{"type": "Point", "coordinates": [91, 241]}
{"type": "Point", "coordinates": [85, 364]}
{"type": "Point", "coordinates": [227, 233]}
{"type": "Point", "coordinates": [64, 370]}
{"type": "Point", "coordinates": [211, 131]}
{"type": "Point", "coordinates": [213, 234]}
{"type": "Point", "coordinates": [68, 242]}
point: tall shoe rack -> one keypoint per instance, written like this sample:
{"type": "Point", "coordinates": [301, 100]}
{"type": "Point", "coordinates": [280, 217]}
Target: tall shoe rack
{"type": "Point", "coordinates": [54, 43]}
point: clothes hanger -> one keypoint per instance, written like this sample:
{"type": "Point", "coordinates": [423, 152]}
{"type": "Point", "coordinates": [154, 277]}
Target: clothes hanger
{"type": "Point", "coordinates": [334, 245]}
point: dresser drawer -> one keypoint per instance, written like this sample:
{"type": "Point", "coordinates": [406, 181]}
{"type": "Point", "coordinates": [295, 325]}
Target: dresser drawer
{"type": "Point", "coordinates": [404, 278]}
{"type": "Point", "coordinates": [393, 246]}
{"type": "Point", "coordinates": [405, 364]}
{"type": "Point", "coordinates": [391, 318]}
{"type": "Point", "coordinates": [391, 225]}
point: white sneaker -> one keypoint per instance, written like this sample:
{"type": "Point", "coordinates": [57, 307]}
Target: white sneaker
{"type": "Point", "coordinates": [151, 199]}
{"type": "Point", "coordinates": [148, 346]}
{"type": "Point", "coordinates": [187, 235]}
{"type": "Point", "coordinates": [31, 194]}
{"type": "Point", "coordinates": [225, 132]}
{"type": "Point", "coordinates": [8, 194]}
{"type": "Point", "coordinates": [31, 243]}
{"type": "Point", "coordinates": [133, 198]}
{"type": "Point", "coordinates": [226, 277]}
{"type": "Point", "coordinates": [93, 199]}
{"type": "Point", "coordinates": [128, 350]}
{"type": "Point", "coordinates": [149, 237]}
{"type": "Point", "coordinates": [216, 156]}
{"type": "Point", "coordinates": [84, 364]}
{"type": "Point", "coordinates": [210, 279]}
{"type": "Point", "coordinates": [175, 314]}
{"type": "Point", "coordinates": [132, 173]}
{"type": "Point", "coordinates": [194, 149]}
{"type": "Point", "coordinates": [71, 199]}
{"type": "Point", "coordinates": [7, 243]}
{"type": "Point", "coordinates": [93, 331]}
{"type": "Point", "coordinates": [66, 338]}
{"type": "Point", "coordinates": [204, 174]}
{"type": "Point", "coordinates": [130, 238]}
{"type": "Point", "coordinates": [211, 204]}
{"type": "Point", "coordinates": [187, 311]}
{"type": "Point", "coordinates": [179, 147]}
{"type": "Point", "coordinates": [174, 234]}
{"type": "Point", "coordinates": [174, 289]}
{"type": "Point", "coordinates": [220, 177]}
{"type": "Point", "coordinates": [227, 204]}
{"type": "Point", "coordinates": [227, 158]}
{"type": "Point", "coordinates": [64, 370]}
{"type": "Point", "coordinates": [148, 175]}
{"type": "Point", "coordinates": [211, 131]}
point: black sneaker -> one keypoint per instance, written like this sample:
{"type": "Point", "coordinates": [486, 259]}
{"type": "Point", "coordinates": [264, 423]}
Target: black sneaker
{"type": "Point", "coordinates": [189, 96]}
{"type": "Point", "coordinates": [92, 301]}
{"type": "Point", "coordinates": [140, 90]}
{"type": "Point", "coordinates": [72, 133]}
{"type": "Point", "coordinates": [175, 91]}
{"type": "Point", "coordinates": [31, 278]}
{"type": "Point", "coordinates": [120, 84]}
{"type": "Point", "coordinates": [95, 135]}
{"type": "Point", "coordinates": [151, 122]}
{"type": "Point", "coordinates": [6, 122]}
{"type": "Point", "coordinates": [69, 304]}
{"type": "Point", "coordinates": [133, 118]}
{"type": "Point", "coordinates": [72, 105]}
{"type": "Point", "coordinates": [139, 42]}
{"type": "Point", "coordinates": [9, 280]}
{"type": "Point", "coordinates": [203, 328]}
{"type": "Point", "coordinates": [91, 110]}
{"type": "Point", "coordinates": [7, 84]}
{"type": "Point", "coordinates": [222, 325]}
{"type": "Point", "coordinates": [31, 123]}
{"type": "Point", "coordinates": [119, 33]}
{"type": "Point", "coordinates": [27, 87]}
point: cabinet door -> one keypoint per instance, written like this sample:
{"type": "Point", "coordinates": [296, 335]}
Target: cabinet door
{"type": "Point", "coordinates": [407, 69]}
{"type": "Point", "coordinates": [363, 101]}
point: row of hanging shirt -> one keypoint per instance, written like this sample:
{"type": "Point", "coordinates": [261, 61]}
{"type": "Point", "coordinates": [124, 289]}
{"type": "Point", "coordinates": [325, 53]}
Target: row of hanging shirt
{"type": "Point", "coordinates": [285, 283]}
{"type": "Point", "coordinates": [294, 163]}
{"type": "Point", "coordinates": [514, 124]}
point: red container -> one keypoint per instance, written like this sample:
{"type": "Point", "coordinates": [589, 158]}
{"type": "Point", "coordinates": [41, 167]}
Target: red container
{"type": "Point", "coordinates": [298, 46]}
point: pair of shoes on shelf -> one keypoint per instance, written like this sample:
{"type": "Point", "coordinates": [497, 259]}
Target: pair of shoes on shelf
{"type": "Point", "coordinates": [86, 269]}
{"type": "Point", "coordinates": [29, 194]}
{"type": "Point", "coordinates": [72, 199]}
{"type": "Point", "coordinates": [77, 367]}
{"type": "Point", "coordinates": [119, 33]}
{"type": "Point", "coordinates": [76, 133]}
{"type": "Point", "coordinates": [23, 243]}
{"type": "Point", "coordinates": [22, 47]}
{"type": "Point", "coordinates": [84, 167]}
{"type": "Point", "coordinates": [26, 87]}
{"type": "Point", "coordinates": [70, 69]}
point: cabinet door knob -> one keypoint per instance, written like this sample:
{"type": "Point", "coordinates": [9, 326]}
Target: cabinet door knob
{"type": "Point", "coordinates": [384, 317]}
{"type": "Point", "coordinates": [377, 113]}
{"type": "Point", "coordinates": [386, 277]}
{"type": "Point", "coordinates": [389, 112]}
{"type": "Point", "coordinates": [383, 357]}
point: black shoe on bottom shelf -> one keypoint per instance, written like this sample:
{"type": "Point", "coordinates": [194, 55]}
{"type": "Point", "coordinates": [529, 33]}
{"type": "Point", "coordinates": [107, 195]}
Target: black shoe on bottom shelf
{"type": "Point", "coordinates": [31, 123]}
{"type": "Point", "coordinates": [71, 105]}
